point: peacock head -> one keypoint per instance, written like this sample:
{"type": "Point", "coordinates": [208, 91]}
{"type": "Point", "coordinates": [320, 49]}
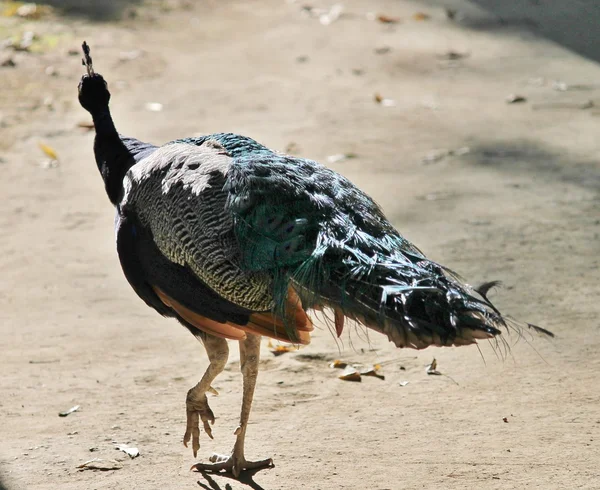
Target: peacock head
{"type": "Point", "coordinates": [93, 93]}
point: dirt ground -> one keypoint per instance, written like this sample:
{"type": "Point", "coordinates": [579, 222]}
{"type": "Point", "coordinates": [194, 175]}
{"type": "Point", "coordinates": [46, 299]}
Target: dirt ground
{"type": "Point", "coordinates": [514, 195]}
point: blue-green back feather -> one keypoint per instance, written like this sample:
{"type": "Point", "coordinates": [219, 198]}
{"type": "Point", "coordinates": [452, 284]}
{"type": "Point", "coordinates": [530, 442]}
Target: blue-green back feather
{"type": "Point", "coordinates": [310, 227]}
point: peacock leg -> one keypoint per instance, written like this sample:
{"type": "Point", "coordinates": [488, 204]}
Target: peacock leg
{"type": "Point", "coordinates": [196, 403]}
{"type": "Point", "coordinates": [236, 462]}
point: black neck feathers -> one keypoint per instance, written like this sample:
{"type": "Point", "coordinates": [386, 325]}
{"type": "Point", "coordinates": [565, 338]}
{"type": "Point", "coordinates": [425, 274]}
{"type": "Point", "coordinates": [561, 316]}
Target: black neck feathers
{"type": "Point", "coordinates": [112, 157]}
{"type": "Point", "coordinates": [115, 154]}
{"type": "Point", "coordinates": [103, 123]}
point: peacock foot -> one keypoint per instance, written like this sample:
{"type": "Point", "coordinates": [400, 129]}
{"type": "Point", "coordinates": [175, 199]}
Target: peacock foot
{"type": "Point", "coordinates": [197, 410]}
{"type": "Point", "coordinates": [231, 464]}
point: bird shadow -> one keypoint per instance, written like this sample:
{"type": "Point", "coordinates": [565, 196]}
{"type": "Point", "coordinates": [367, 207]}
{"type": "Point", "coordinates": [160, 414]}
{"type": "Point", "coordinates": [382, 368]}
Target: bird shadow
{"type": "Point", "coordinates": [245, 478]}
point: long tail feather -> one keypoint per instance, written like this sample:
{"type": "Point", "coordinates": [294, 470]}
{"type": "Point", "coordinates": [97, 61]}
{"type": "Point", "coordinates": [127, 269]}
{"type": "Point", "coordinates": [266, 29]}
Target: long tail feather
{"type": "Point", "coordinates": [395, 290]}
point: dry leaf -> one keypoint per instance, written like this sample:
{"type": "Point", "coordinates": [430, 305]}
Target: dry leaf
{"type": "Point", "coordinates": [67, 412]}
{"type": "Point", "coordinates": [132, 452]}
{"type": "Point", "coordinates": [338, 364]}
{"type": "Point", "coordinates": [388, 102]}
{"type": "Point", "coordinates": [432, 368]}
{"type": "Point", "coordinates": [420, 16]}
{"type": "Point", "coordinates": [371, 371]}
{"type": "Point", "coordinates": [350, 374]}
{"type": "Point", "coordinates": [515, 99]}
{"type": "Point", "coordinates": [383, 101]}
{"type": "Point", "coordinates": [48, 150]}
{"type": "Point", "coordinates": [386, 19]}
{"type": "Point", "coordinates": [283, 349]}
{"type": "Point", "coordinates": [101, 465]}
{"type": "Point", "coordinates": [353, 372]}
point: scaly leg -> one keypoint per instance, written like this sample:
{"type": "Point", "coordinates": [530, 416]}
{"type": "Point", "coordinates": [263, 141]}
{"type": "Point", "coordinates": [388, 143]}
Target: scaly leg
{"type": "Point", "coordinates": [196, 403]}
{"type": "Point", "coordinates": [236, 462]}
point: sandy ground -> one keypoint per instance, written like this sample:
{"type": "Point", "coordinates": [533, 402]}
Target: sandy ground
{"type": "Point", "coordinates": [520, 205]}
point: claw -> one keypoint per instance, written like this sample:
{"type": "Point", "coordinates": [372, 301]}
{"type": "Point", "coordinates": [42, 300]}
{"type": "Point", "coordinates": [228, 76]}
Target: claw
{"type": "Point", "coordinates": [195, 441]}
{"type": "Point", "coordinates": [208, 429]}
{"type": "Point", "coordinates": [196, 411]}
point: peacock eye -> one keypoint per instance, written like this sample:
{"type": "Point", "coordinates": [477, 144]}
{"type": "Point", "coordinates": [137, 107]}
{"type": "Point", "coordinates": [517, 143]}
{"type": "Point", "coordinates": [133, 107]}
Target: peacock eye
{"type": "Point", "coordinates": [289, 229]}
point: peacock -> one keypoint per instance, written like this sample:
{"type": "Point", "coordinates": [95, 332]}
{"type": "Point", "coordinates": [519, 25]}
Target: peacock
{"type": "Point", "coordinates": [237, 241]}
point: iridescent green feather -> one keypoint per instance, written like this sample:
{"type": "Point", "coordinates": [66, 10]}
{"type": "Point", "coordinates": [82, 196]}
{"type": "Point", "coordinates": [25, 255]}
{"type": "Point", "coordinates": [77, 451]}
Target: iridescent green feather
{"type": "Point", "coordinates": [308, 226]}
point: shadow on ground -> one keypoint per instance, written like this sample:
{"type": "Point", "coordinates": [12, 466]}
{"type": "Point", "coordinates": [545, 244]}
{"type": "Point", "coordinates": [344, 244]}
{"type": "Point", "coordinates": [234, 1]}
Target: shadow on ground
{"type": "Point", "coordinates": [572, 24]}
{"type": "Point", "coordinates": [245, 478]}
{"type": "Point", "coordinates": [3, 486]}
{"type": "Point", "coordinates": [100, 10]}
{"type": "Point", "coordinates": [541, 162]}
